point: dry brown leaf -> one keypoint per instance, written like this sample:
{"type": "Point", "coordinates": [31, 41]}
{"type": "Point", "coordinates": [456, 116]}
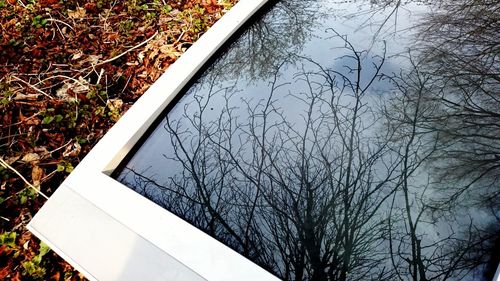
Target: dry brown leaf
{"type": "Point", "coordinates": [36, 175]}
{"type": "Point", "coordinates": [79, 13]}
{"type": "Point", "coordinates": [12, 160]}
{"type": "Point", "coordinates": [115, 104]}
{"type": "Point", "coordinates": [168, 49]}
{"type": "Point", "coordinates": [32, 121]}
{"type": "Point", "coordinates": [20, 97]}
{"type": "Point", "coordinates": [42, 151]}
{"type": "Point", "coordinates": [77, 55]}
{"type": "Point", "coordinates": [77, 87]}
{"type": "Point", "coordinates": [92, 59]}
{"type": "Point", "coordinates": [4, 273]}
{"type": "Point", "coordinates": [56, 276]}
{"type": "Point", "coordinates": [17, 276]}
{"type": "Point", "coordinates": [31, 158]}
{"type": "Point", "coordinates": [72, 150]}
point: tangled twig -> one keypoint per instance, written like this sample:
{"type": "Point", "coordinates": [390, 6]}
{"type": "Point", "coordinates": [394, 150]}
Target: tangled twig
{"type": "Point", "coordinates": [7, 166]}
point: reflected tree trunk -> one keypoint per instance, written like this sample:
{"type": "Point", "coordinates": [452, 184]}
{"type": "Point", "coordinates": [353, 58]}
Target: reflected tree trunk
{"type": "Point", "coordinates": [336, 187]}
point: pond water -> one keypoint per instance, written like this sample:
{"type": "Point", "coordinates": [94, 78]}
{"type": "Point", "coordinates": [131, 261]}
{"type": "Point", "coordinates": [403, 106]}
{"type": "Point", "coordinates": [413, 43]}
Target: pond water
{"type": "Point", "coordinates": [342, 140]}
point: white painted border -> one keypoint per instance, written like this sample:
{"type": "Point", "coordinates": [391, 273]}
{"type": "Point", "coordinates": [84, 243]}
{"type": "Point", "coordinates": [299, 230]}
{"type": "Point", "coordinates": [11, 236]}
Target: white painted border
{"type": "Point", "coordinates": [90, 179]}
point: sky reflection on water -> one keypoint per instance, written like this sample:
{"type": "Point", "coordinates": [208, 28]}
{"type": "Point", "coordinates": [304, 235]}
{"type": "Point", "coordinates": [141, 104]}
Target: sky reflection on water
{"type": "Point", "coordinates": [342, 140]}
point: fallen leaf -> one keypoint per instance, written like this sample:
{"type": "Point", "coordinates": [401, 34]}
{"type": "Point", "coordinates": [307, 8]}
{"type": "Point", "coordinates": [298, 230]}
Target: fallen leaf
{"type": "Point", "coordinates": [42, 151]}
{"type": "Point", "coordinates": [77, 55]}
{"type": "Point", "coordinates": [36, 175]}
{"type": "Point", "coordinates": [56, 276]}
{"type": "Point", "coordinates": [79, 13]}
{"type": "Point", "coordinates": [91, 7]}
{"type": "Point", "coordinates": [72, 150]}
{"type": "Point", "coordinates": [93, 59]}
{"type": "Point", "coordinates": [49, 2]}
{"type": "Point", "coordinates": [77, 87]}
{"type": "Point", "coordinates": [17, 276]}
{"type": "Point", "coordinates": [28, 97]}
{"type": "Point", "coordinates": [31, 158]}
{"type": "Point", "coordinates": [111, 37]}
{"type": "Point", "coordinates": [26, 245]}
{"type": "Point", "coordinates": [12, 160]}
{"type": "Point", "coordinates": [115, 104]}
{"type": "Point", "coordinates": [140, 56]}
{"type": "Point", "coordinates": [4, 273]}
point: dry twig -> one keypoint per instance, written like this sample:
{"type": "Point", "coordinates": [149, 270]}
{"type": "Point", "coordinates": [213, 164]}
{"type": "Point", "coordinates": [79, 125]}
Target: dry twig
{"type": "Point", "coordinates": [7, 166]}
{"type": "Point", "coordinates": [31, 86]}
{"type": "Point", "coordinates": [129, 50]}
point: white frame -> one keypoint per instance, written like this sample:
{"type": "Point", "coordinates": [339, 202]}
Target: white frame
{"type": "Point", "coordinates": [108, 231]}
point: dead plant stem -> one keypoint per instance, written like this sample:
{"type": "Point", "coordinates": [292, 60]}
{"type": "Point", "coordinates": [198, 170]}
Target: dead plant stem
{"type": "Point", "coordinates": [37, 190]}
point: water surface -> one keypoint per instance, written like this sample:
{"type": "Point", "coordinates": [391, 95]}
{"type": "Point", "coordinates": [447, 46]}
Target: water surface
{"type": "Point", "coordinates": [342, 140]}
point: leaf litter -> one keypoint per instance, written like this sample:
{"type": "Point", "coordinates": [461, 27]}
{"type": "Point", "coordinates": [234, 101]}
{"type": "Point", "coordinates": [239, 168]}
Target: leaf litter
{"type": "Point", "coordinates": [68, 71]}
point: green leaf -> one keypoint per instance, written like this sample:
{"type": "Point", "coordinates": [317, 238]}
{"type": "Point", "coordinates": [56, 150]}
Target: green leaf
{"type": "Point", "coordinates": [44, 249]}
{"type": "Point", "coordinates": [47, 120]}
{"type": "Point", "coordinates": [69, 168]}
{"type": "Point", "coordinates": [167, 8]}
{"type": "Point", "coordinates": [33, 269]}
{"type": "Point", "coordinates": [60, 167]}
{"type": "Point", "coordinates": [8, 239]}
{"type": "Point", "coordinates": [81, 140]}
{"type": "Point", "coordinates": [58, 118]}
{"type": "Point", "coordinates": [29, 267]}
{"type": "Point", "coordinates": [14, 42]}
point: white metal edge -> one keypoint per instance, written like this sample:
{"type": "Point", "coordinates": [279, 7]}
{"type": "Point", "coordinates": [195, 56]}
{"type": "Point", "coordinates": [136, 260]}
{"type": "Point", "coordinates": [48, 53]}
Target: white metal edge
{"type": "Point", "coordinates": [61, 253]}
{"type": "Point", "coordinates": [103, 247]}
{"type": "Point", "coordinates": [187, 244]}
{"type": "Point", "coordinates": [207, 256]}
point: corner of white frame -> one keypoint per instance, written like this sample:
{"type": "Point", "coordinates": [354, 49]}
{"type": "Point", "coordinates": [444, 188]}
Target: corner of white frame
{"type": "Point", "coordinates": [109, 232]}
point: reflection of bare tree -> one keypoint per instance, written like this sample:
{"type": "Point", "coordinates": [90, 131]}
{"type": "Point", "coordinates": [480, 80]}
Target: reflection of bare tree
{"type": "Point", "coordinates": [405, 111]}
{"type": "Point", "coordinates": [424, 246]}
{"type": "Point", "coordinates": [299, 196]}
{"type": "Point", "coordinates": [269, 41]}
{"type": "Point", "coordinates": [327, 192]}
{"type": "Point", "coordinates": [284, 30]}
{"type": "Point", "coordinates": [461, 51]}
